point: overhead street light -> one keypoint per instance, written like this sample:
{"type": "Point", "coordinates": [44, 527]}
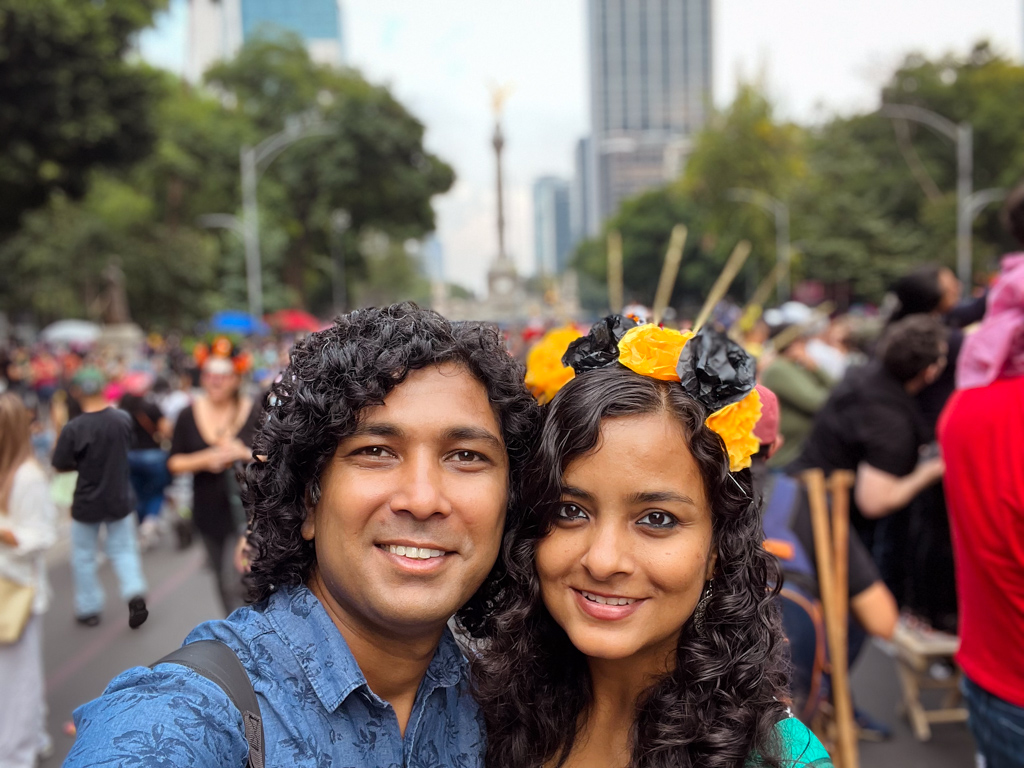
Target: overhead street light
{"type": "Point", "coordinates": [962, 134]}
{"type": "Point", "coordinates": [254, 163]}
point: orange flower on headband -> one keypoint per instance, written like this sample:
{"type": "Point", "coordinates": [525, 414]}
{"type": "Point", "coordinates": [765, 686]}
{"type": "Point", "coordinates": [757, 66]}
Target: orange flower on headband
{"type": "Point", "coordinates": [735, 425]}
{"type": "Point", "coordinates": [545, 373]}
{"type": "Point", "coordinates": [653, 351]}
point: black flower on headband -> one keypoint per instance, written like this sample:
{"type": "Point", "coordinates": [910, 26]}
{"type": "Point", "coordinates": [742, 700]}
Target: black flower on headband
{"type": "Point", "coordinates": [715, 370]}
{"type": "Point", "coordinates": [600, 347]}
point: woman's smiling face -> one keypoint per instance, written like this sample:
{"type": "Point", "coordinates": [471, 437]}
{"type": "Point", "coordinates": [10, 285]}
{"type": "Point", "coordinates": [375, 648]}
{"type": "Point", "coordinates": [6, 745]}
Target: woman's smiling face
{"type": "Point", "coordinates": [630, 549]}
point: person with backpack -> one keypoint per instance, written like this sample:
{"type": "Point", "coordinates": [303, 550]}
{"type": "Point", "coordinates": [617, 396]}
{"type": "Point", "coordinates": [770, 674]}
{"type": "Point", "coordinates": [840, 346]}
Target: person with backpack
{"type": "Point", "coordinates": [387, 463]}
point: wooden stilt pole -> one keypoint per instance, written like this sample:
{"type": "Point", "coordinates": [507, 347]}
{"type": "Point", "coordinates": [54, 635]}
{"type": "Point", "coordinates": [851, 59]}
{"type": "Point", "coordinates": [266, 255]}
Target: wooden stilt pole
{"type": "Point", "coordinates": [669, 272]}
{"type": "Point", "coordinates": [764, 290]}
{"type": "Point", "coordinates": [718, 290]}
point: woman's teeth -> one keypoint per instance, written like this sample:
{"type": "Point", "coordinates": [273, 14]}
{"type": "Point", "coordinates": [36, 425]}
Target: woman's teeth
{"type": "Point", "coordinates": [416, 553]}
{"type": "Point", "coordinates": [608, 600]}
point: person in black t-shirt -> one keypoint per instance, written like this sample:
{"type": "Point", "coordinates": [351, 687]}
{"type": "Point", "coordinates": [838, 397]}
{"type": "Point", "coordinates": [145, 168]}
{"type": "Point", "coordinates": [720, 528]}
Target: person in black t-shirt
{"type": "Point", "coordinates": [96, 444]}
{"type": "Point", "coordinates": [872, 425]}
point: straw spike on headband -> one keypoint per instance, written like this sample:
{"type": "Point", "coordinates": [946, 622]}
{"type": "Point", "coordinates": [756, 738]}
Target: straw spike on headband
{"type": "Point", "coordinates": [710, 367]}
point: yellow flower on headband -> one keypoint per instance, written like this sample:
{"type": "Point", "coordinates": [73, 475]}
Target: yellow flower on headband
{"type": "Point", "coordinates": [545, 374]}
{"type": "Point", "coordinates": [653, 351]}
{"type": "Point", "coordinates": [735, 424]}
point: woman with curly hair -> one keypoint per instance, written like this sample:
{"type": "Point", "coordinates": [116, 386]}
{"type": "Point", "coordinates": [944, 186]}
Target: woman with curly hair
{"type": "Point", "coordinates": [635, 625]}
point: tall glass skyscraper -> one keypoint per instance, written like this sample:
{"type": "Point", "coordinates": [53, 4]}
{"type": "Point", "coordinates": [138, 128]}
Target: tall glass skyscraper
{"type": "Point", "coordinates": [650, 89]}
{"type": "Point", "coordinates": [552, 233]}
{"type": "Point", "coordinates": [217, 28]}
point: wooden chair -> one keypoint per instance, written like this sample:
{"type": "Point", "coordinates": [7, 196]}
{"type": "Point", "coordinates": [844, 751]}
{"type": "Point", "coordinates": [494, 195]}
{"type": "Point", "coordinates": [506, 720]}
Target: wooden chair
{"type": "Point", "coordinates": [917, 650]}
{"type": "Point", "coordinates": [831, 545]}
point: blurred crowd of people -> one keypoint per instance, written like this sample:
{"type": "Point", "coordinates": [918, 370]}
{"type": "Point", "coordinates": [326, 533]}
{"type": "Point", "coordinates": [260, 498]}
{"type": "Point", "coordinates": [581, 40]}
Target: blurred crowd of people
{"type": "Point", "coordinates": [139, 446]}
{"type": "Point", "coordinates": [157, 437]}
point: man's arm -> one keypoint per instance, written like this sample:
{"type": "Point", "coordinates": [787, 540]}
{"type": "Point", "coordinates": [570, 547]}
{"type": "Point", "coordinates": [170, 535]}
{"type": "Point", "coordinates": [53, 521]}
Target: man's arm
{"type": "Point", "coordinates": [167, 716]}
{"type": "Point", "coordinates": [875, 609]}
{"type": "Point", "coordinates": [879, 493]}
{"type": "Point", "coordinates": [63, 459]}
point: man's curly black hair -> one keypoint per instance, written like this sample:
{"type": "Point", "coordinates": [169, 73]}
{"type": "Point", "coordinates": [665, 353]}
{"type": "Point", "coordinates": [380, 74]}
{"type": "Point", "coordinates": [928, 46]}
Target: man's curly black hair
{"type": "Point", "coordinates": [336, 373]}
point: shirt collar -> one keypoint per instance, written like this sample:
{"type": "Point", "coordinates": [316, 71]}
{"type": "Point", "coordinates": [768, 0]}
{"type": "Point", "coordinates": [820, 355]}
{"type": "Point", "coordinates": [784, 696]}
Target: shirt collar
{"type": "Point", "coordinates": [305, 627]}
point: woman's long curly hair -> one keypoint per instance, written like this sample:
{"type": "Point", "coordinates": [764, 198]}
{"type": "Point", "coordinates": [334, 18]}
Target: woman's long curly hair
{"type": "Point", "coordinates": [336, 373]}
{"type": "Point", "coordinates": [716, 707]}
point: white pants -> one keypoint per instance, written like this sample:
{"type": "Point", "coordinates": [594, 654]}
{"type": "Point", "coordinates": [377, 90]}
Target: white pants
{"type": "Point", "coordinates": [22, 698]}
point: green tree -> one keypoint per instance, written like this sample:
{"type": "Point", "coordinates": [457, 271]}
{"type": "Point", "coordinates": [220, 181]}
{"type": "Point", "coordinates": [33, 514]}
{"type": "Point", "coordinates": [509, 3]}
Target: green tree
{"type": "Point", "coordinates": [70, 99]}
{"type": "Point", "coordinates": [882, 194]}
{"type": "Point", "coordinates": [373, 164]}
{"type": "Point", "coordinates": [742, 146]}
{"type": "Point", "coordinates": [645, 223]}
{"type": "Point", "coordinates": [745, 146]}
{"type": "Point", "coordinates": [54, 265]}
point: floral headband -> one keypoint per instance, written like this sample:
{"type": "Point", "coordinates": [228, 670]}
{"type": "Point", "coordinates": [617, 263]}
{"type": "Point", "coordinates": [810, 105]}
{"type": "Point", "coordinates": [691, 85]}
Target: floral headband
{"type": "Point", "coordinates": [222, 348]}
{"type": "Point", "coordinates": [711, 368]}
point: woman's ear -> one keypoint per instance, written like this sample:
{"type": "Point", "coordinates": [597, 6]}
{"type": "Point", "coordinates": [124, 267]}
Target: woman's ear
{"type": "Point", "coordinates": [712, 562]}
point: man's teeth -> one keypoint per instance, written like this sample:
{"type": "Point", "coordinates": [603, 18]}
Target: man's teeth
{"type": "Point", "coordinates": [416, 553]}
{"type": "Point", "coordinates": [608, 600]}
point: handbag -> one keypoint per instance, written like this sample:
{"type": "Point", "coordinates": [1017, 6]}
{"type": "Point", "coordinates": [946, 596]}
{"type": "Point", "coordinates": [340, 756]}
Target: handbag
{"type": "Point", "coordinates": [15, 609]}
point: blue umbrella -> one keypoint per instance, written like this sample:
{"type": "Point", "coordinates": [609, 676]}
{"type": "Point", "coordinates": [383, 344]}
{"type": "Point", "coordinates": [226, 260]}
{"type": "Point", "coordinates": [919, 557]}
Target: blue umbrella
{"type": "Point", "coordinates": [236, 321]}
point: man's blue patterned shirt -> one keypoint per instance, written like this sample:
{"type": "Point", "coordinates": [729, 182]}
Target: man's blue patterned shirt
{"type": "Point", "coordinates": [317, 708]}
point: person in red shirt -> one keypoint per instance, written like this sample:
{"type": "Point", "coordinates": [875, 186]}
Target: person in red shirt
{"type": "Point", "coordinates": [981, 432]}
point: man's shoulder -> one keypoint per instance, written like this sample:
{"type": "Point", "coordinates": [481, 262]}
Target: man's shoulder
{"type": "Point", "coordinates": [167, 712]}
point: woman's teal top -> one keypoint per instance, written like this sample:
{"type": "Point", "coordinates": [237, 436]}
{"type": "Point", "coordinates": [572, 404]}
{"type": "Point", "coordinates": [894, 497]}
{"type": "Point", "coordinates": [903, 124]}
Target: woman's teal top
{"type": "Point", "coordinates": [800, 747]}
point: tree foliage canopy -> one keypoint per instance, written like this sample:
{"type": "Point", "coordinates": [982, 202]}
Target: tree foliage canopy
{"type": "Point", "coordinates": [179, 159]}
{"type": "Point", "coordinates": [70, 100]}
{"type": "Point", "coordinates": [868, 196]}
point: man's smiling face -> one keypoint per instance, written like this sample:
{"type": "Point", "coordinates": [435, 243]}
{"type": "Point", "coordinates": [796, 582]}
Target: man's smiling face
{"type": "Point", "coordinates": [412, 508]}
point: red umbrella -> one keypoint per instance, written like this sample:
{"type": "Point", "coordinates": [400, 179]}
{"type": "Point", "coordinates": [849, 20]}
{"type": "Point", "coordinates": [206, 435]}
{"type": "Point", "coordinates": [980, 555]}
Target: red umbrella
{"type": "Point", "coordinates": [293, 321]}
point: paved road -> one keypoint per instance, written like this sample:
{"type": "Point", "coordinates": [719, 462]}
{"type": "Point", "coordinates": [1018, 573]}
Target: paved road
{"type": "Point", "coordinates": [80, 661]}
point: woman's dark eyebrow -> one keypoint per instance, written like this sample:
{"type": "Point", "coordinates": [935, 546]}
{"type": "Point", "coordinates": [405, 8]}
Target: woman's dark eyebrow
{"type": "Point", "coordinates": [576, 493]}
{"type": "Point", "coordinates": [655, 497]}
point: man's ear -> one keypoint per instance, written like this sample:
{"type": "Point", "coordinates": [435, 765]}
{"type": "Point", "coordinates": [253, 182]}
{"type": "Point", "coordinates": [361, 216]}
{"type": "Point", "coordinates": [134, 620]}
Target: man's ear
{"type": "Point", "coordinates": [308, 529]}
{"type": "Point", "coordinates": [776, 446]}
{"type": "Point", "coordinates": [312, 498]}
{"type": "Point", "coordinates": [932, 372]}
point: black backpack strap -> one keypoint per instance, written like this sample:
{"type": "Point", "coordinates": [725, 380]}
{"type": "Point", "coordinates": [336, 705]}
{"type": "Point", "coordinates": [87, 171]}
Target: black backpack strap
{"type": "Point", "coordinates": [217, 662]}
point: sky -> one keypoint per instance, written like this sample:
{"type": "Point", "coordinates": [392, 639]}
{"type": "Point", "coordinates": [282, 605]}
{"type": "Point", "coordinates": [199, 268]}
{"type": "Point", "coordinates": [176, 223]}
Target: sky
{"type": "Point", "coordinates": [815, 58]}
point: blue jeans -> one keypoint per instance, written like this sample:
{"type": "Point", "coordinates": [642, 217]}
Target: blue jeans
{"type": "Point", "coordinates": [123, 551]}
{"type": "Point", "coordinates": [149, 479]}
{"type": "Point", "coordinates": [997, 726]}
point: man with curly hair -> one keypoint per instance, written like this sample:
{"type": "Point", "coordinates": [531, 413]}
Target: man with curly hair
{"type": "Point", "coordinates": [387, 465]}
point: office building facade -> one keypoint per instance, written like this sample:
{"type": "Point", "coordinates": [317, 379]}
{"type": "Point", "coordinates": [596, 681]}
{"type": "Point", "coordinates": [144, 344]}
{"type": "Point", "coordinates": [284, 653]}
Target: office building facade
{"type": "Point", "coordinates": [551, 227]}
{"type": "Point", "coordinates": [583, 221]}
{"type": "Point", "coordinates": [650, 91]}
{"type": "Point", "coordinates": [218, 28]}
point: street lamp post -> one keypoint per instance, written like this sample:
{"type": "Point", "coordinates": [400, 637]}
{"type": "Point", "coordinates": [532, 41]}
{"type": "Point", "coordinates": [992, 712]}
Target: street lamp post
{"type": "Point", "coordinates": [780, 211]}
{"type": "Point", "coordinates": [977, 201]}
{"type": "Point", "coordinates": [254, 162]}
{"type": "Point", "coordinates": [341, 220]}
{"type": "Point", "coordinates": [962, 134]}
